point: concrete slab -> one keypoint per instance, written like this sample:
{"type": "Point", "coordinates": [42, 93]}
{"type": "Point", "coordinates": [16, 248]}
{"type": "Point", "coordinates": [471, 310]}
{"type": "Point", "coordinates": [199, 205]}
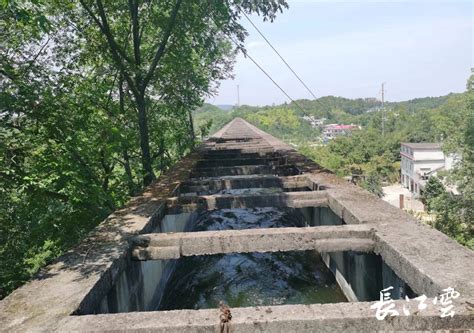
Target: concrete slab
{"type": "Point", "coordinates": [322, 239]}
{"type": "Point", "coordinates": [176, 205]}
{"type": "Point", "coordinates": [339, 317]}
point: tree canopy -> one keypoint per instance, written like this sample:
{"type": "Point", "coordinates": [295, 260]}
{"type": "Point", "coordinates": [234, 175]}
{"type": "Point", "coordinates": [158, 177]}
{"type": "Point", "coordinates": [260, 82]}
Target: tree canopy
{"type": "Point", "coordinates": [96, 101]}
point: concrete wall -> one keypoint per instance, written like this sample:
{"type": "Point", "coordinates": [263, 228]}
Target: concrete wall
{"type": "Point", "coordinates": [140, 286]}
{"type": "Point", "coordinates": [316, 216]}
{"type": "Point", "coordinates": [361, 276]}
{"type": "Point", "coordinates": [428, 154]}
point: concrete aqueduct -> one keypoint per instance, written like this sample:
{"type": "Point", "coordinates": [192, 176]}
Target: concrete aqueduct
{"type": "Point", "coordinates": [112, 280]}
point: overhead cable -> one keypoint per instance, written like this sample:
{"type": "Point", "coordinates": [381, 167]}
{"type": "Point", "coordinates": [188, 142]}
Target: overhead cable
{"type": "Point", "coordinates": [278, 53]}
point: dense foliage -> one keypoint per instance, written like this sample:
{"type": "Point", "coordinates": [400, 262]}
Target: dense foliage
{"type": "Point", "coordinates": [455, 213]}
{"type": "Point", "coordinates": [96, 100]}
{"type": "Point", "coordinates": [434, 188]}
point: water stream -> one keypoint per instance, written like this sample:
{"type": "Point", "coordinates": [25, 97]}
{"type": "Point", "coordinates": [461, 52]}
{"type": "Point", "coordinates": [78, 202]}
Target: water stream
{"type": "Point", "coordinates": [253, 279]}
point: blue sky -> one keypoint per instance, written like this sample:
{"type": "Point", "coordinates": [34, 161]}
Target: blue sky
{"type": "Point", "coordinates": [419, 48]}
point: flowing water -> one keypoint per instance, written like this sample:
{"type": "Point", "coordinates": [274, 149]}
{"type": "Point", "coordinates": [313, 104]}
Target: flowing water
{"type": "Point", "coordinates": [250, 279]}
{"type": "Point", "coordinates": [248, 218]}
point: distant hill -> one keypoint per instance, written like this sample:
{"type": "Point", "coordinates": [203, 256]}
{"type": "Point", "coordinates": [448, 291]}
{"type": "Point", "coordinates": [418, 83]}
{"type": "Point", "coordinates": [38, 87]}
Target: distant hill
{"type": "Point", "coordinates": [211, 113]}
{"type": "Point", "coordinates": [424, 102]}
{"type": "Point", "coordinates": [326, 104]}
{"type": "Point", "coordinates": [206, 107]}
{"type": "Point", "coordinates": [225, 107]}
{"type": "Point", "coordinates": [334, 108]}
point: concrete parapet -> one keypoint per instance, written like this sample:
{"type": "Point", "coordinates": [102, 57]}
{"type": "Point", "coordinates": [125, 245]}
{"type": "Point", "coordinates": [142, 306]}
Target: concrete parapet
{"type": "Point", "coordinates": [339, 317]}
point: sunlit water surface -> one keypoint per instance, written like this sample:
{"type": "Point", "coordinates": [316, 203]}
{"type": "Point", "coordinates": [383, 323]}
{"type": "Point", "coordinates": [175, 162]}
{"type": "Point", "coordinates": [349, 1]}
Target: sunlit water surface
{"type": "Point", "coordinates": [253, 279]}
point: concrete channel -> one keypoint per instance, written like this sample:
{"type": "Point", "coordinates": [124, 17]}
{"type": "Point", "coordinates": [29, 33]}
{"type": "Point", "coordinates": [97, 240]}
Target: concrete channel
{"type": "Point", "coordinates": [113, 279]}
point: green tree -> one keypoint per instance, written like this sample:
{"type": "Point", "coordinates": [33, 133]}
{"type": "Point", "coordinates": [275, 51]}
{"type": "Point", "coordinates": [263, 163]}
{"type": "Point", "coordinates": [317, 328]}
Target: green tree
{"type": "Point", "coordinates": [96, 98]}
{"type": "Point", "coordinates": [140, 35]}
{"type": "Point", "coordinates": [455, 214]}
{"type": "Point", "coordinates": [204, 128]}
{"type": "Point", "coordinates": [433, 189]}
{"type": "Point", "coordinates": [373, 184]}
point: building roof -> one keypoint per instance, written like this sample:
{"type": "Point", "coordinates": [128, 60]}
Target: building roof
{"type": "Point", "coordinates": [422, 145]}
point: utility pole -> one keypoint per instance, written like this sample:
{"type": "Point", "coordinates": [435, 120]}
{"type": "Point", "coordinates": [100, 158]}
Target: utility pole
{"type": "Point", "coordinates": [238, 96]}
{"type": "Point", "coordinates": [383, 110]}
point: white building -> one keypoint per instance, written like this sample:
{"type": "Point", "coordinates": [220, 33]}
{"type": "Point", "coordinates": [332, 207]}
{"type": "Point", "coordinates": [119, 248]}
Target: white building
{"type": "Point", "coordinates": [315, 122]}
{"type": "Point", "coordinates": [419, 161]}
{"type": "Point", "coordinates": [332, 131]}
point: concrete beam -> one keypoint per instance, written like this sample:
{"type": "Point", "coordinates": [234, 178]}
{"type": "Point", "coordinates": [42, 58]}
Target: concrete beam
{"type": "Point", "coordinates": [212, 150]}
{"type": "Point", "coordinates": [237, 153]}
{"type": "Point", "coordinates": [219, 162]}
{"type": "Point", "coordinates": [323, 239]}
{"type": "Point", "coordinates": [251, 181]}
{"type": "Point", "coordinates": [314, 318]}
{"type": "Point", "coordinates": [281, 170]}
{"type": "Point", "coordinates": [177, 205]}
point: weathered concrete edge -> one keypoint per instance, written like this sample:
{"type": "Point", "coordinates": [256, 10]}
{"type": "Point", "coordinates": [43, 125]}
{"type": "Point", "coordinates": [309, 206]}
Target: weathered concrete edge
{"type": "Point", "coordinates": [275, 245]}
{"type": "Point", "coordinates": [83, 275]}
{"type": "Point", "coordinates": [336, 317]}
{"type": "Point", "coordinates": [402, 240]}
{"type": "Point", "coordinates": [403, 243]}
{"type": "Point", "coordinates": [322, 239]}
{"type": "Point", "coordinates": [318, 232]}
{"type": "Point", "coordinates": [179, 205]}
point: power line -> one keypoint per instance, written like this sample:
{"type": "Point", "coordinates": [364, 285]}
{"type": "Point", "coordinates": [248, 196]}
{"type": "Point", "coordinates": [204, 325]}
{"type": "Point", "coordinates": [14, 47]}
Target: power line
{"type": "Point", "coordinates": [383, 109]}
{"type": "Point", "coordinates": [286, 63]}
{"type": "Point", "coordinates": [268, 75]}
{"type": "Point", "coordinates": [260, 67]}
{"type": "Point", "coordinates": [238, 96]}
{"type": "Point", "coordinates": [281, 57]}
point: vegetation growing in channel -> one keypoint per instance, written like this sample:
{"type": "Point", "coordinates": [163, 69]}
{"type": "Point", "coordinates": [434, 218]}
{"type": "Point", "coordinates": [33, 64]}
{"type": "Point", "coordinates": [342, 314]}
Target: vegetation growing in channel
{"type": "Point", "coordinates": [96, 100]}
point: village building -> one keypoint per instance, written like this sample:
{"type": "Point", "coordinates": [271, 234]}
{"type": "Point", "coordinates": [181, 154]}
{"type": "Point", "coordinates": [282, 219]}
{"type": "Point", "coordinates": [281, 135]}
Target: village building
{"type": "Point", "coordinates": [419, 162]}
{"type": "Point", "coordinates": [315, 122]}
{"type": "Point", "coordinates": [332, 131]}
